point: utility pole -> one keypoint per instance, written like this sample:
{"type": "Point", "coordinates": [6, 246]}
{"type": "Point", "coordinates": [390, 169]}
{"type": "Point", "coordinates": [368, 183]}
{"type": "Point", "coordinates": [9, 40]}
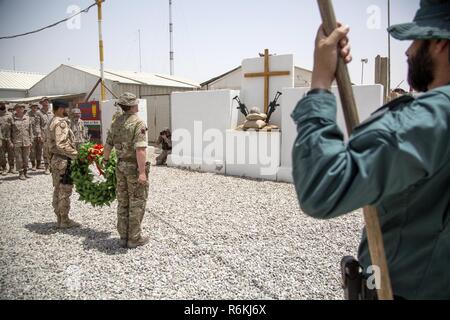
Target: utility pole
{"type": "Point", "coordinates": [100, 46]}
{"type": "Point", "coordinates": [171, 39]}
{"type": "Point", "coordinates": [140, 56]}
{"type": "Point", "coordinates": [388, 89]}
{"type": "Point", "coordinates": [363, 61]}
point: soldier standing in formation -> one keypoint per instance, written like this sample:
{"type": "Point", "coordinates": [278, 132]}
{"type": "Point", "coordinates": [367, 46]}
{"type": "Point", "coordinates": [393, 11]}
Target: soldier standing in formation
{"type": "Point", "coordinates": [21, 136]}
{"type": "Point", "coordinates": [6, 146]}
{"type": "Point", "coordinates": [78, 128]}
{"type": "Point", "coordinates": [128, 135]}
{"type": "Point", "coordinates": [36, 146]}
{"type": "Point", "coordinates": [46, 117]}
{"type": "Point", "coordinates": [61, 148]}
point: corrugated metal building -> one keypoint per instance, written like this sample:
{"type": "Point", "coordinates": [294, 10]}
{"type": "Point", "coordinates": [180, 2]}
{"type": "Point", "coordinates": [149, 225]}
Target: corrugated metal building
{"type": "Point", "coordinates": [15, 84]}
{"type": "Point", "coordinates": [78, 82]}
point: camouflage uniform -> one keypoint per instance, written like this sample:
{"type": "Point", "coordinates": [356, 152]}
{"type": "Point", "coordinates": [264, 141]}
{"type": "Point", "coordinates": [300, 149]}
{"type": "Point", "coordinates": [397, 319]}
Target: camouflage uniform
{"type": "Point", "coordinates": [22, 136]}
{"type": "Point", "coordinates": [60, 143]}
{"type": "Point", "coordinates": [5, 143]}
{"type": "Point", "coordinates": [127, 133]}
{"type": "Point", "coordinates": [45, 119]}
{"type": "Point", "coordinates": [37, 145]}
{"type": "Point", "coordinates": [166, 146]}
{"type": "Point", "coordinates": [80, 132]}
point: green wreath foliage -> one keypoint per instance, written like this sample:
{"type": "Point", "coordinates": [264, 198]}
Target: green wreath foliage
{"type": "Point", "coordinates": [98, 194]}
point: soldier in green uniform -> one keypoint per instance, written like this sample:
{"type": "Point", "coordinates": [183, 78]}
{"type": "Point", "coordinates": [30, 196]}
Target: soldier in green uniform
{"type": "Point", "coordinates": [78, 128]}
{"type": "Point", "coordinates": [128, 135]}
{"type": "Point", "coordinates": [398, 160]}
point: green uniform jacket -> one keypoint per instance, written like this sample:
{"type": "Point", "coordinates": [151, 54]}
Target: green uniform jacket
{"type": "Point", "coordinates": [398, 161]}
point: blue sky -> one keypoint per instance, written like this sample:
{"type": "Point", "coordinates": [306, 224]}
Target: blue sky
{"type": "Point", "coordinates": [211, 36]}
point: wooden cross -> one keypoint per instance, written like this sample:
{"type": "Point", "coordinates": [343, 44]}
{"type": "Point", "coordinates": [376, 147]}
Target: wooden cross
{"type": "Point", "coordinates": [266, 74]}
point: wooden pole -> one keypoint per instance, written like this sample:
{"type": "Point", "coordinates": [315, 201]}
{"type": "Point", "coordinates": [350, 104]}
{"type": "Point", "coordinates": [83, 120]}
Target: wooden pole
{"type": "Point", "coordinates": [266, 81]}
{"type": "Point", "coordinates": [374, 235]}
{"type": "Point", "coordinates": [100, 46]}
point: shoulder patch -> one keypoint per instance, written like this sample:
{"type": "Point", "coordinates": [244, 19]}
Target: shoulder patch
{"type": "Point", "coordinates": [143, 130]}
{"type": "Point", "coordinates": [62, 124]}
{"type": "Point", "coordinates": [396, 102]}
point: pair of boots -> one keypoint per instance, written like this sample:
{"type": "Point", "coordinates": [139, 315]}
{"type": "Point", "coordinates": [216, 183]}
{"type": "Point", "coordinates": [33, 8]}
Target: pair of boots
{"type": "Point", "coordinates": [64, 222]}
{"type": "Point", "coordinates": [133, 244]}
{"type": "Point", "coordinates": [35, 166]}
{"type": "Point", "coordinates": [11, 170]}
{"type": "Point", "coordinates": [23, 175]}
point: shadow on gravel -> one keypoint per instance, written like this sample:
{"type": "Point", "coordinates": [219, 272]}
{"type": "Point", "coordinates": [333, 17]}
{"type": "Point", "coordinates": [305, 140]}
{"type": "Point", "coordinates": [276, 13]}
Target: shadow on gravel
{"type": "Point", "coordinates": [93, 239]}
{"type": "Point", "coordinates": [10, 178]}
{"type": "Point", "coordinates": [14, 177]}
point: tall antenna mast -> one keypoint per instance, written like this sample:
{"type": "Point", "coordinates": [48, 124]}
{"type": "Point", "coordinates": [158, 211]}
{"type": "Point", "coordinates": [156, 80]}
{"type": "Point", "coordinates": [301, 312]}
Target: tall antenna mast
{"type": "Point", "coordinates": [140, 55]}
{"type": "Point", "coordinates": [171, 37]}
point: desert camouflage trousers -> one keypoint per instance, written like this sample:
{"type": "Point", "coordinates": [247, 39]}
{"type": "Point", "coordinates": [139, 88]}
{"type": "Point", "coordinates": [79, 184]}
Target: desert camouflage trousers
{"type": "Point", "coordinates": [5, 149]}
{"type": "Point", "coordinates": [61, 192]}
{"type": "Point", "coordinates": [36, 152]}
{"type": "Point", "coordinates": [46, 153]}
{"type": "Point", "coordinates": [22, 157]}
{"type": "Point", "coordinates": [132, 199]}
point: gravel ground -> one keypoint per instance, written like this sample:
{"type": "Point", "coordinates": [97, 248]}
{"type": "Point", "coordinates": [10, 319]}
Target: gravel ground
{"type": "Point", "coordinates": [212, 237]}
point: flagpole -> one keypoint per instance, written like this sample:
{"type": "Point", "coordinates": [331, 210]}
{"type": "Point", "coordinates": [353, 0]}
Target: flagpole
{"type": "Point", "coordinates": [100, 45]}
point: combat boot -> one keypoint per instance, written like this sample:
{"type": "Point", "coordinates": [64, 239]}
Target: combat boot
{"type": "Point", "coordinates": [134, 244]}
{"type": "Point", "coordinates": [12, 171]}
{"type": "Point", "coordinates": [38, 166]}
{"type": "Point", "coordinates": [33, 166]}
{"type": "Point", "coordinates": [67, 223]}
{"type": "Point", "coordinates": [22, 176]}
{"type": "Point", "coordinates": [47, 171]}
{"type": "Point", "coordinates": [123, 243]}
{"type": "Point", "coordinates": [25, 173]}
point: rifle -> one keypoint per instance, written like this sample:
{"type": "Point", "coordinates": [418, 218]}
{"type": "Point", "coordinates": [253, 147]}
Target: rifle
{"type": "Point", "coordinates": [66, 178]}
{"type": "Point", "coordinates": [273, 106]}
{"type": "Point", "coordinates": [242, 106]}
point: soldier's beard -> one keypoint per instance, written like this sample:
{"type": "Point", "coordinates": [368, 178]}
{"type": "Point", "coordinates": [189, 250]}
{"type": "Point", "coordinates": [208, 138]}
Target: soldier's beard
{"type": "Point", "coordinates": [421, 69]}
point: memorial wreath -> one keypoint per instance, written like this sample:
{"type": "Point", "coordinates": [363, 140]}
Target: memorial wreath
{"type": "Point", "coordinates": [94, 182]}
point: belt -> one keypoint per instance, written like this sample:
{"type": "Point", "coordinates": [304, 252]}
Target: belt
{"type": "Point", "coordinates": [131, 160]}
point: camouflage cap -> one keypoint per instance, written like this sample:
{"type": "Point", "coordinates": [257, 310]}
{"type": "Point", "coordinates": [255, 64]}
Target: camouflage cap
{"type": "Point", "coordinates": [44, 99]}
{"type": "Point", "coordinates": [19, 105]}
{"type": "Point", "coordinates": [76, 111]}
{"type": "Point", "coordinates": [128, 100]}
{"type": "Point", "coordinates": [432, 21]}
{"type": "Point", "coordinates": [34, 104]}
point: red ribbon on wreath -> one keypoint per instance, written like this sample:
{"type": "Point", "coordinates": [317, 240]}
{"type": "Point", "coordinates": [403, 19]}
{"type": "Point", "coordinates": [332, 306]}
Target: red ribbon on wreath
{"type": "Point", "coordinates": [95, 152]}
